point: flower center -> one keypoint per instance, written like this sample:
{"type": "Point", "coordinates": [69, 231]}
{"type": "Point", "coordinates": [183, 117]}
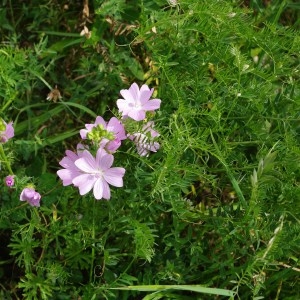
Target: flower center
{"type": "Point", "coordinates": [135, 105]}
{"type": "Point", "coordinates": [98, 173]}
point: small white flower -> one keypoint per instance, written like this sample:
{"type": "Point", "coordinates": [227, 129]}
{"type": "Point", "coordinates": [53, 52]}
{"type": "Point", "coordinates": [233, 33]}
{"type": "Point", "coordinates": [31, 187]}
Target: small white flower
{"type": "Point", "coordinates": [173, 2]}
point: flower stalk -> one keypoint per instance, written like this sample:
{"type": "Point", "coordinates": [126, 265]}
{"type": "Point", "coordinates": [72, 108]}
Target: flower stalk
{"type": "Point", "coordinates": [5, 160]}
{"type": "Point", "coordinates": [93, 244]}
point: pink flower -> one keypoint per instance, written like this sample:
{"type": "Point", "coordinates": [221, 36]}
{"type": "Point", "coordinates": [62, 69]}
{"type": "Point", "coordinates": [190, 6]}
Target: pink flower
{"type": "Point", "coordinates": [145, 140]}
{"type": "Point", "coordinates": [70, 171]}
{"type": "Point", "coordinates": [137, 102]}
{"type": "Point", "coordinates": [31, 196]}
{"type": "Point", "coordinates": [107, 135]}
{"type": "Point", "coordinates": [9, 180]}
{"type": "Point", "coordinates": [97, 174]}
{"type": "Point", "coordinates": [6, 131]}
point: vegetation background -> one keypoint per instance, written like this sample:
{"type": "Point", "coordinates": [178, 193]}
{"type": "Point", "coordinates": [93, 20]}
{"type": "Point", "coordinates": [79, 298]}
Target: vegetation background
{"type": "Point", "coordinates": [217, 206]}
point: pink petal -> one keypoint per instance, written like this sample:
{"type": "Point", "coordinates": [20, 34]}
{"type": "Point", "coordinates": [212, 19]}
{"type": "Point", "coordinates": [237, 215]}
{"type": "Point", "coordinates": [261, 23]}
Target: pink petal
{"type": "Point", "coordinates": [71, 155]}
{"type": "Point", "coordinates": [123, 106]}
{"type": "Point", "coordinates": [86, 163]}
{"type": "Point", "coordinates": [134, 91]}
{"type": "Point", "coordinates": [100, 120]}
{"type": "Point", "coordinates": [26, 194]}
{"type": "Point", "coordinates": [128, 96]}
{"type": "Point", "coordinates": [83, 133]}
{"type": "Point", "coordinates": [114, 176]}
{"type": "Point", "coordinates": [66, 162]}
{"type": "Point", "coordinates": [145, 96]}
{"type": "Point", "coordinates": [142, 151]}
{"type": "Point", "coordinates": [9, 130]}
{"type": "Point", "coordinates": [155, 146]}
{"type": "Point", "coordinates": [137, 115]}
{"type": "Point", "coordinates": [106, 190]}
{"type": "Point", "coordinates": [101, 189]}
{"type": "Point", "coordinates": [112, 146]}
{"type": "Point", "coordinates": [152, 105]}
{"type": "Point", "coordinates": [98, 189]}
{"type": "Point", "coordinates": [103, 159]}
{"type": "Point", "coordinates": [84, 182]}
{"type": "Point", "coordinates": [114, 125]}
{"type": "Point", "coordinates": [145, 87]}
{"type": "Point", "coordinates": [67, 175]}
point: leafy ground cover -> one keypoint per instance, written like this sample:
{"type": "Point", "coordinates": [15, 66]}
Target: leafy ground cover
{"type": "Point", "coordinates": [206, 206]}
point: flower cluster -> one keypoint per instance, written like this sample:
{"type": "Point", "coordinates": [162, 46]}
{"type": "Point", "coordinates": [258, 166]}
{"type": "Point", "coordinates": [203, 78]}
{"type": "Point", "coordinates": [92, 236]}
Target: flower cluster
{"type": "Point", "coordinates": [90, 167]}
{"type": "Point", "coordinates": [28, 193]}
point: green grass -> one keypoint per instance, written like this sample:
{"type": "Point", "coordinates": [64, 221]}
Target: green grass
{"type": "Point", "coordinates": [215, 213]}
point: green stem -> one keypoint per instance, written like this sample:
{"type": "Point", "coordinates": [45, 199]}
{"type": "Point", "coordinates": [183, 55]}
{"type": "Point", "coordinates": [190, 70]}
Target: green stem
{"type": "Point", "coordinates": [234, 182]}
{"type": "Point", "coordinates": [7, 104]}
{"type": "Point", "coordinates": [5, 160]}
{"type": "Point", "coordinates": [93, 243]}
{"type": "Point", "coordinates": [12, 15]}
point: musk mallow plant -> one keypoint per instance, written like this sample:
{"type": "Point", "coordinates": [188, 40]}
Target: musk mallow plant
{"type": "Point", "coordinates": [90, 168]}
{"type": "Point", "coordinates": [28, 194]}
